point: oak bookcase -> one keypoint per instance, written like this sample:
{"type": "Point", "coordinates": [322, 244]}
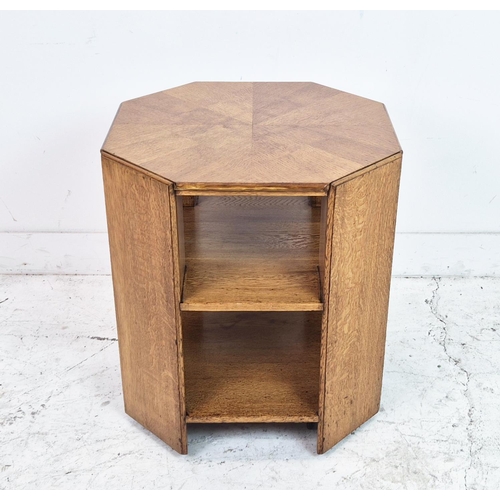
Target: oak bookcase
{"type": "Point", "coordinates": [251, 230]}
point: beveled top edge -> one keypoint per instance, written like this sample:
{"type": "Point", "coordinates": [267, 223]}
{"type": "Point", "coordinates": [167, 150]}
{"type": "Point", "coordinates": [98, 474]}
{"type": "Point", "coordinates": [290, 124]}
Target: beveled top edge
{"type": "Point", "coordinates": [251, 133]}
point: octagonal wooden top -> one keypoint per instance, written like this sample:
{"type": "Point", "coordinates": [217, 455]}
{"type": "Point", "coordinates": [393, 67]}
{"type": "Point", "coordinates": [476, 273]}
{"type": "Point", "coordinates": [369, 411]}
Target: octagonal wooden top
{"type": "Point", "coordinates": [277, 136]}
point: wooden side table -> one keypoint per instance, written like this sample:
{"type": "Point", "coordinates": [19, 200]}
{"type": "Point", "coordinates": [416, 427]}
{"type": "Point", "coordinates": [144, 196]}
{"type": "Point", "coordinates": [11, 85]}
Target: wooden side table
{"type": "Point", "coordinates": [251, 229]}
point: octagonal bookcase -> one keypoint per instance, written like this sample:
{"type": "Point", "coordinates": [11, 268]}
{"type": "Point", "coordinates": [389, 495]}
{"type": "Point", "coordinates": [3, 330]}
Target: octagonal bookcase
{"type": "Point", "coordinates": [251, 230]}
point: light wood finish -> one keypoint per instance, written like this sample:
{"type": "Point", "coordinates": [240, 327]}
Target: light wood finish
{"type": "Point", "coordinates": [252, 367]}
{"type": "Point", "coordinates": [178, 244]}
{"type": "Point", "coordinates": [211, 135]}
{"type": "Point", "coordinates": [364, 215]}
{"type": "Point", "coordinates": [325, 242]}
{"type": "Point", "coordinates": [255, 191]}
{"type": "Point", "coordinates": [325, 259]}
{"type": "Point", "coordinates": [369, 168]}
{"type": "Point", "coordinates": [252, 253]}
{"type": "Point", "coordinates": [146, 287]}
{"type": "Point", "coordinates": [229, 286]}
{"type": "Point", "coordinates": [251, 230]}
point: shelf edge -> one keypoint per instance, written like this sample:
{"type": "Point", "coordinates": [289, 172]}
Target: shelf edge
{"type": "Point", "coordinates": [226, 419]}
{"type": "Point", "coordinates": [251, 306]}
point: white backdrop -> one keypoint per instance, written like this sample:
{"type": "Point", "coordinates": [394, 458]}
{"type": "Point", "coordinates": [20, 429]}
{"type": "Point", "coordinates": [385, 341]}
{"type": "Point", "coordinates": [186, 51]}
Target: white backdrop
{"type": "Point", "coordinates": [64, 75]}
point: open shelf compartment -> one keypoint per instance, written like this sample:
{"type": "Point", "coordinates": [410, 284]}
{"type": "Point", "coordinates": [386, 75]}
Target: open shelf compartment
{"type": "Point", "coordinates": [251, 253]}
{"type": "Point", "coordinates": [251, 367]}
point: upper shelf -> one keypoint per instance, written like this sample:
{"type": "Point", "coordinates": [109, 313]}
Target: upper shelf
{"type": "Point", "coordinates": [252, 254]}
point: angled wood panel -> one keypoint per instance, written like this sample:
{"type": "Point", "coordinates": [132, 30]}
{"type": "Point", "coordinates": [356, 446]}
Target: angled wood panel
{"type": "Point", "coordinates": [353, 341]}
{"type": "Point", "coordinates": [145, 263]}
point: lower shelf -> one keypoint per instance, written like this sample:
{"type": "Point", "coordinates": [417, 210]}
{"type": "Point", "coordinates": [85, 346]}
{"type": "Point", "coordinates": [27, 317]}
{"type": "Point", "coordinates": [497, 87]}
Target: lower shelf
{"type": "Point", "coordinates": [251, 367]}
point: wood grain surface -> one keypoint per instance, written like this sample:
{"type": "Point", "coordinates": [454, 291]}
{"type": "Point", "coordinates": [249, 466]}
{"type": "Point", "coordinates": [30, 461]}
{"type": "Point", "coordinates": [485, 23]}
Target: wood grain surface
{"type": "Point", "coordinates": [266, 135]}
{"type": "Point", "coordinates": [252, 253]}
{"type": "Point", "coordinates": [146, 284]}
{"type": "Point", "coordinates": [251, 229]}
{"type": "Point", "coordinates": [325, 267]}
{"type": "Point", "coordinates": [252, 367]}
{"type": "Point", "coordinates": [364, 216]}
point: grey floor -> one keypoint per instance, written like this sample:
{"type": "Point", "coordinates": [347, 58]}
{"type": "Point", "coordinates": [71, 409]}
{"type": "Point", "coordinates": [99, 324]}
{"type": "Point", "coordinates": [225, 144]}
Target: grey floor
{"type": "Point", "coordinates": [62, 423]}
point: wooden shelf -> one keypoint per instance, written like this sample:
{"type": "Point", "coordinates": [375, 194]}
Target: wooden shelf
{"type": "Point", "coordinates": [251, 367]}
{"type": "Point", "coordinates": [251, 254]}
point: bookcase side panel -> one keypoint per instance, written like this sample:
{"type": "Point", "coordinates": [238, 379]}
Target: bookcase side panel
{"type": "Point", "coordinates": [353, 342]}
{"type": "Point", "coordinates": [141, 225]}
